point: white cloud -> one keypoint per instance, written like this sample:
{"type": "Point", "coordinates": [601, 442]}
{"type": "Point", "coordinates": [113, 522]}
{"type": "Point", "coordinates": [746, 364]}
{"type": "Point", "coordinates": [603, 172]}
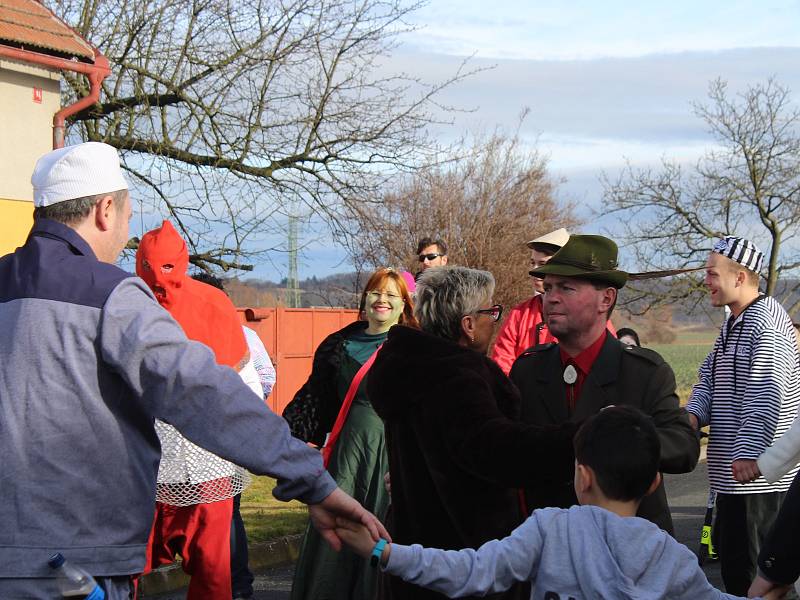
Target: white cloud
{"type": "Point", "coordinates": [590, 116]}
{"type": "Point", "coordinates": [585, 29]}
{"type": "Point", "coordinates": [639, 102]}
{"type": "Point", "coordinates": [604, 81]}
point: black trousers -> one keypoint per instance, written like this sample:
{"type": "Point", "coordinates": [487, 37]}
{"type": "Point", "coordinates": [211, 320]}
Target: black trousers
{"type": "Point", "coordinates": [741, 523]}
{"type": "Point", "coordinates": [241, 577]}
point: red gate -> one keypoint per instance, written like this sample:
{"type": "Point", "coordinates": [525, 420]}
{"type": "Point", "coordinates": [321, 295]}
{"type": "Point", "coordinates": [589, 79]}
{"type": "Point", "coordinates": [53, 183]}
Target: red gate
{"type": "Point", "coordinates": [291, 335]}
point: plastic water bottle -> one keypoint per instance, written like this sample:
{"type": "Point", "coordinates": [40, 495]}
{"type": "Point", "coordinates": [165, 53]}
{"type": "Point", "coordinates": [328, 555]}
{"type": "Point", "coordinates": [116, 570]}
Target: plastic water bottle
{"type": "Point", "coordinates": [74, 582]}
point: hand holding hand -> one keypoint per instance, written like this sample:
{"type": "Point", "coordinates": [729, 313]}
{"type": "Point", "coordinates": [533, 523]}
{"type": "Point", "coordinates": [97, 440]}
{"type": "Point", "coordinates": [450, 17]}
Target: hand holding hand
{"type": "Point", "coordinates": [745, 470]}
{"type": "Point", "coordinates": [766, 589]}
{"type": "Point", "coordinates": [339, 504]}
{"type": "Point", "coordinates": [355, 536]}
{"type": "Point", "coordinates": [777, 593]}
{"type": "Point", "coordinates": [359, 540]}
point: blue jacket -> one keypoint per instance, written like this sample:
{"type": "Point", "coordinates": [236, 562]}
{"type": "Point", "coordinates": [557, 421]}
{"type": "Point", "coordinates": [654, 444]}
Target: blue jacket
{"type": "Point", "coordinates": [582, 553]}
{"type": "Point", "coordinates": [88, 360]}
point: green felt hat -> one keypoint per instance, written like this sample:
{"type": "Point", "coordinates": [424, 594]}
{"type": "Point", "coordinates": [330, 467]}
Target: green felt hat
{"type": "Point", "coordinates": [590, 257]}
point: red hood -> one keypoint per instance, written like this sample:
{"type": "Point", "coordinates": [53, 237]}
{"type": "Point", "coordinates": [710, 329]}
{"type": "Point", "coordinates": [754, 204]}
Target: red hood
{"type": "Point", "coordinates": [205, 313]}
{"type": "Point", "coordinates": [162, 260]}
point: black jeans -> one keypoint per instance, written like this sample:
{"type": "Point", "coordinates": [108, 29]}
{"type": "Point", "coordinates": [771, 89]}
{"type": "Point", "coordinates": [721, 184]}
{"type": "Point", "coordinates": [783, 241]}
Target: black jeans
{"type": "Point", "coordinates": [241, 577]}
{"type": "Point", "coordinates": [741, 523]}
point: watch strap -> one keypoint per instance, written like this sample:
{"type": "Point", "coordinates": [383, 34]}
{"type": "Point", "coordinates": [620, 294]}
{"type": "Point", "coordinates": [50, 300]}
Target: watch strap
{"type": "Point", "coordinates": [377, 551]}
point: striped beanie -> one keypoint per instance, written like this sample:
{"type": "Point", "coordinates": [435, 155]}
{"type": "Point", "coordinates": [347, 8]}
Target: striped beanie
{"type": "Point", "coordinates": [740, 250]}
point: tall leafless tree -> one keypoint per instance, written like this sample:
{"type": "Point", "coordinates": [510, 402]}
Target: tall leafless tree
{"type": "Point", "coordinates": [233, 114]}
{"type": "Point", "coordinates": [747, 185]}
{"type": "Point", "coordinates": [485, 202]}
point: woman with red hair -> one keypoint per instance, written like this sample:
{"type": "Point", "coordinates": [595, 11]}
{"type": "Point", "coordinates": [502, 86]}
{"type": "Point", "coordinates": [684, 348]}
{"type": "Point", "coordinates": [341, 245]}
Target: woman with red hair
{"type": "Point", "coordinates": [353, 439]}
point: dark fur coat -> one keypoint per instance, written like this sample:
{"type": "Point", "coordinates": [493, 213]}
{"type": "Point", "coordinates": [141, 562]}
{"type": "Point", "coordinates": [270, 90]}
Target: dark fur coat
{"type": "Point", "coordinates": [457, 449]}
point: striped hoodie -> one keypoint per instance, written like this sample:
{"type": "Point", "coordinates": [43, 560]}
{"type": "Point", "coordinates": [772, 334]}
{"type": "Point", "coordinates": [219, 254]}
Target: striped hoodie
{"type": "Point", "coordinates": [749, 392]}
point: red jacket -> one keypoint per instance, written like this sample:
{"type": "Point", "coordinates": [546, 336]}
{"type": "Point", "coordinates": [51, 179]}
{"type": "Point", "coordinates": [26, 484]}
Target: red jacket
{"type": "Point", "coordinates": [523, 328]}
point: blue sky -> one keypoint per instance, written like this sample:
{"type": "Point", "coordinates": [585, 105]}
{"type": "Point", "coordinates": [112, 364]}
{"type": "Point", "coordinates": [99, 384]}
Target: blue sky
{"type": "Point", "coordinates": [605, 82]}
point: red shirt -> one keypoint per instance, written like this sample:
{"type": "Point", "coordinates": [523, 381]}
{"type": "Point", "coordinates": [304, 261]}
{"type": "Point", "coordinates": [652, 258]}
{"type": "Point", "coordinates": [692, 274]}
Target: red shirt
{"type": "Point", "coordinates": [523, 328]}
{"type": "Point", "coordinates": [583, 364]}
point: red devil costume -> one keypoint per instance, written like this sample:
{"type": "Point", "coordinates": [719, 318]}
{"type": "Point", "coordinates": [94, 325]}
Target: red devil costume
{"type": "Point", "coordinates": [195, 487]}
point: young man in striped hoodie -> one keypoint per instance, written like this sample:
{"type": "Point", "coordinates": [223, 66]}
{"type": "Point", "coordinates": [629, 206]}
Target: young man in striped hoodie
{"type": "Point", "coordinates": [748, 392]}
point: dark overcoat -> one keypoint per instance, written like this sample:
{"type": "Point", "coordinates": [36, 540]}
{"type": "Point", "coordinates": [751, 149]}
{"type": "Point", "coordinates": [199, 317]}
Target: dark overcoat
{"type": "Point", "coordinates": [457, 449]}
{"type": "Point", "coordinates": [621, 375]}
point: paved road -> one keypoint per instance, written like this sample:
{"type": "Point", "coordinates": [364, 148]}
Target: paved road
{"type": "Point", "coordinates": [687, 496]}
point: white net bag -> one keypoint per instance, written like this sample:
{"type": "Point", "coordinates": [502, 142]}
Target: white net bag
{"type": "Point", "coordinates": [189, 475]}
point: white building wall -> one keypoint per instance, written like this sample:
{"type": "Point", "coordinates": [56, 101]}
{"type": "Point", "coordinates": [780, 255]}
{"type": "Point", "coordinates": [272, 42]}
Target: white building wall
{"type": "Point", "coordinates": [26, 126]}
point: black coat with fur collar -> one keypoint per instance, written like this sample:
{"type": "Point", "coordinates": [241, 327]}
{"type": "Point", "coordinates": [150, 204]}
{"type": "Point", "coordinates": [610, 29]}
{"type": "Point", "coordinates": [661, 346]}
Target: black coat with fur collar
{"type": "Point", "coordinates": [457, 449]}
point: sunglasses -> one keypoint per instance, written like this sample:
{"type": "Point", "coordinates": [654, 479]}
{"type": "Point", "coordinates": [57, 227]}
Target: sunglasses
{"type": "Point", "coordinates": [424, 257]}
{"type": "Point", "coordinates": [495, 311]}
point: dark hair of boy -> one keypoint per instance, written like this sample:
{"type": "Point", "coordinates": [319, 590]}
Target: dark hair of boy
{"type": "Point", "coordinates": [428, 241]}
{"type": "Point", "coordinates": [620, 444]}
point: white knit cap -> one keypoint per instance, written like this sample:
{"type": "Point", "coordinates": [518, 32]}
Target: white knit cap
{"type": "Point", "coordinates": [740, 250]}
{"type": "Point", "coordinates": [75, 172]}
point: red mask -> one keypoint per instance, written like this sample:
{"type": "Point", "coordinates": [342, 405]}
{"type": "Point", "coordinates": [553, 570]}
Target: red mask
{"type": "Point", "coordinates": [162, 260]}
{"type": "Point", "coordinates": [204, 313]}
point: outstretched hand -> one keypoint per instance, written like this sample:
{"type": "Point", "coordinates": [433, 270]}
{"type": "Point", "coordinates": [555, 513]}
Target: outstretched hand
{"type": "Point", "coordinates": [339, 504]}
{"type": "Point", "coordinates": [762, 588]}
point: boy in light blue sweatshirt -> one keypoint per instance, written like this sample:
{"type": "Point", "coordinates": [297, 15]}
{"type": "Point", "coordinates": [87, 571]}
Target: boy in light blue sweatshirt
{"type": "Point", "coordinates": [600, 549]}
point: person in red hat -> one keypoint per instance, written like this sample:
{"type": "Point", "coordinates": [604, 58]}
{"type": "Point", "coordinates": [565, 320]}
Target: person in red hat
{"type": "Point", "coordinates": [195, 487]}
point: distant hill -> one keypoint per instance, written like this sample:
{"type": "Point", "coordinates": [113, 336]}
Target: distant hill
{"type": "Point", "coordinates": [340, 290]}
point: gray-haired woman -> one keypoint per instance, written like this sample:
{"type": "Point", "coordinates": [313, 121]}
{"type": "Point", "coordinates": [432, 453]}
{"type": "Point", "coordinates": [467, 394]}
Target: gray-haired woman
{"type": "Point", "coordinates": [457, 451]}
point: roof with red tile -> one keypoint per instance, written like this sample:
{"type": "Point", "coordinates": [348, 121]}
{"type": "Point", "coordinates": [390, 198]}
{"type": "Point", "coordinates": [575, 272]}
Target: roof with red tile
{"type": "Point", "coordinates": [29, 25]}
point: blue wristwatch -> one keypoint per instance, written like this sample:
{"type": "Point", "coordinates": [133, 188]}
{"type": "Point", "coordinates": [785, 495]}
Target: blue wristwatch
{"type": "Point", "coordinates": [377, 551]}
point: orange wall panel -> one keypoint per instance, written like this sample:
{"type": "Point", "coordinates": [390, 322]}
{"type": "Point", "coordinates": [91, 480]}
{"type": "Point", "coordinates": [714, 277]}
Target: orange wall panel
{"type": "Point", "coordinates": [291, 335]}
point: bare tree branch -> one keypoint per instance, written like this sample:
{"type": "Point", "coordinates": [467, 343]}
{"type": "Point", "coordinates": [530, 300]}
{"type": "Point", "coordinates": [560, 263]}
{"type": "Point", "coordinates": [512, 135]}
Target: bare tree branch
{"type": "Point", "coordinates": [485, 200]}
{"type": "Point", "coordinates": [235, 114]}
{"type": "Point", "coordinates": [749, 186]}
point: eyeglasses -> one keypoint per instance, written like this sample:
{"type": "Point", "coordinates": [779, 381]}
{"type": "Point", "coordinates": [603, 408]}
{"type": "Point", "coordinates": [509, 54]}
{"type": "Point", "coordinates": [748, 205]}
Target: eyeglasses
{"type": "Point", "coordinates": [495, 311]}
{"type": "Point", "coordinates": [374, 295]}
{"type": "Point", "coordinates": [424, 257]}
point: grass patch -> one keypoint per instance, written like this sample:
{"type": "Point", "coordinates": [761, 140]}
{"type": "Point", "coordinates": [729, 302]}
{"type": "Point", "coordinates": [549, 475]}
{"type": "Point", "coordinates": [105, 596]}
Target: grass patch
{"type": "Point", "coordinates": [266, 518]}
{"type": "Point", "coordinates": [685, 356]}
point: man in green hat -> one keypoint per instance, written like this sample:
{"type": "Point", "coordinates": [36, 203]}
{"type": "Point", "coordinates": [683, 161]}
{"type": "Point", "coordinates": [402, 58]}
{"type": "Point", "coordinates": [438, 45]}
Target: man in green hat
{"type": "Point", "coordinates": [524, 327]}
{"type": "Point", "coordinates": [588, 369]}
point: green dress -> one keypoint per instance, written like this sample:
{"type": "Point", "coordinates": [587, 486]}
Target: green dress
{"type": "Point", "coordinates": [358, 464]}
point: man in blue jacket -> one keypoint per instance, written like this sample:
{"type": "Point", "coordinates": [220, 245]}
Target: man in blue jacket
{"type": "Point", "coordinates": [89, 360]}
